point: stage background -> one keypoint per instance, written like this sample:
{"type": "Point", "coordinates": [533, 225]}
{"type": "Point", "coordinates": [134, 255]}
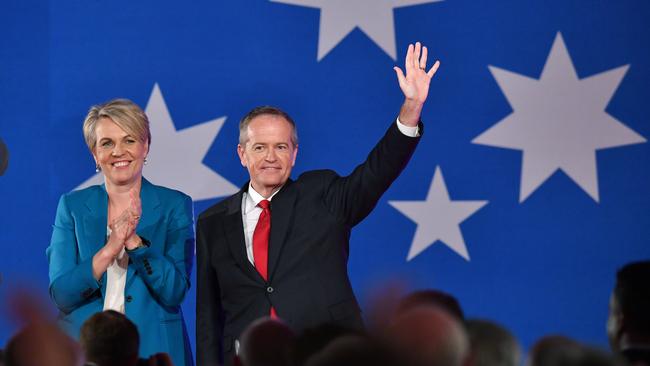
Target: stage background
{"type": "Point", "coordinates": [535, 248]}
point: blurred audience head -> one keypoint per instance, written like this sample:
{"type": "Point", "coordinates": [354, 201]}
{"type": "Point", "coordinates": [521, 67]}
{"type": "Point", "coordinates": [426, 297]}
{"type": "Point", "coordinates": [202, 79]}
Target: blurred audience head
{"type": "Point", "coordinates": [40, 344]}
{"type": "Point", "coordinates": [110, 338]}
{"type": "Point", "coordinates": [313, 340]}
{"type": "Point", "coordinates": [266, 342]}
{"type": "Point", "coordinates": [353, 350]}
{"type": "Point", "coordinates": [429, 335]}
{"type": "Point", "coordinates": [628, 324]}
{"type": "Point", "coordinates": [491, 345]}
{"type": "Point", "coordinates": [554, 350]}
{"type": "Point", "coordinates": [562, 351]}
{"type": "Point", "coordinates": [434, 298]}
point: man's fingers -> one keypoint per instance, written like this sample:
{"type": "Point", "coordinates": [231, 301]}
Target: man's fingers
{"type": "Point", "coordinates": [400, 76]}
{"type": "Point", "coordinates": [408, 61]}
{"type": "Point", "coordinates": [416, 55]}
{"type": "Point", "coordinates": [434, 68]}
{"type": "Point", "coordinates": [423, 59]}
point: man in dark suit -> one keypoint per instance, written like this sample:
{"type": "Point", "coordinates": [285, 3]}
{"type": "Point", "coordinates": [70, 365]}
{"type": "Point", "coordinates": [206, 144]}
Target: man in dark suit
{"type": "Point", "coordinates": [628, 324]}
{"type": "Point", "coordinates": [279, 247]}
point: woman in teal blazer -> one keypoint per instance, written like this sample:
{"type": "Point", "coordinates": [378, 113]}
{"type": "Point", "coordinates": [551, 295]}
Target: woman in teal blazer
{"type": "Point", "coordinates": [125, 245]}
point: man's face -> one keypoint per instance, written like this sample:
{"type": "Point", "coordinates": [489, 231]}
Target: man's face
{"type": "Point", "coordinates": [268, 154]}
{"type": "Point", "coordinates": [614, 323]}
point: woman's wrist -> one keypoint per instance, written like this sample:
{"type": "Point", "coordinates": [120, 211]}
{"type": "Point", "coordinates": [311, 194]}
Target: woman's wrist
{"type": "Point", "coordinates": [134, 243]}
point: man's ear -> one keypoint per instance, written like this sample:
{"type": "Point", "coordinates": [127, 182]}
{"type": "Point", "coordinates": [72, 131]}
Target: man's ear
{"type": "Point", "coordinates": [616, 324]}
{"type": "Point", "coordinates": [295, 154]}
{"type": "Point", "coordinates": [622, 323]}
{"type": "Point", "coordinates": [242, 156]}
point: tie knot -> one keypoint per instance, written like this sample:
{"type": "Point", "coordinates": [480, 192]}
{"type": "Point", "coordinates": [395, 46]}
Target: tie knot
{"type": "Point", "coordinates": [264, 204]}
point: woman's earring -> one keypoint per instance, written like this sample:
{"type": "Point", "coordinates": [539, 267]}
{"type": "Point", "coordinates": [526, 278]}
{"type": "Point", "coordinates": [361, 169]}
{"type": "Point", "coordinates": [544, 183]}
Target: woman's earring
{"type": "Point", "coordinates": [97, 168]}
{"type": "Point", "coordinates": [145, 161]}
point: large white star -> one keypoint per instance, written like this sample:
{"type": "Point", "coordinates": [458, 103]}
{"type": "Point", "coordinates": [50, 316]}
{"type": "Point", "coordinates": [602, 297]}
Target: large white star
{"type": "Point", "coordinates": [339, 17]}
{"type": "Point", "coordinates": [559, 121]}
{"type": "Point", "coordinates": [438, 218]}
{"type": "Point", "coordinates": [175, 157]}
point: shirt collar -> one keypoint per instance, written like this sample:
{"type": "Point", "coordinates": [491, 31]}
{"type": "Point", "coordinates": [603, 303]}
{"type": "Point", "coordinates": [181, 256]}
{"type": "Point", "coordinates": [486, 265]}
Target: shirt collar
{"type": "Point", "coordinates": [253, 198]}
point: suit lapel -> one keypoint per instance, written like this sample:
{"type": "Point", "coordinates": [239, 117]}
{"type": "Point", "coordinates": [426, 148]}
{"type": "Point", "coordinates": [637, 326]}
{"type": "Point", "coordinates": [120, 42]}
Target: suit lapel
{"type": "Point", "coordinates": [234, 230]}
{"type": "Point", "coordinates": [149, 220]}
{"type": "Point", "coordinates": [95, 224]}
{"type": "Point", "coordinates": [282, 207]}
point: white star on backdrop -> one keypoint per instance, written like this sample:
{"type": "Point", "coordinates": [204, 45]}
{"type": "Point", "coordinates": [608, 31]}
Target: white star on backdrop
{"type": "Point", "coordinates": [438, 218]}
{"type": "Point", "coordinates": [175, 157]}
{"type": "Point", "coordinates": [339, 17]}
{"type": "Point", "coordinates": [559, 121]}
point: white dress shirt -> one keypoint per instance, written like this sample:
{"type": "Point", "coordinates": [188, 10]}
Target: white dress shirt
{"type": "Point", "coordinates": [116, 280]}
{"type": "Point", "coordinates": [250, 215]}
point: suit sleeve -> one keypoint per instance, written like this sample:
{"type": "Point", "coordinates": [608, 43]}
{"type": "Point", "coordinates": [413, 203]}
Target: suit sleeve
{"type": "Point", "coordinates": [353, 197]}
{"type": "Point", "coordinates": [71, 281]}
{"type": "Point", "coordinates": [167, 273]}
{"type": "Point", "coordinates": [209, 312]}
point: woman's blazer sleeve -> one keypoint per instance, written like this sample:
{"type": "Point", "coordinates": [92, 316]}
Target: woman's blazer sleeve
{"type": "Point", "coordinates": [71, 281]}
{"type": "Point", "coordinates": [167, 273]}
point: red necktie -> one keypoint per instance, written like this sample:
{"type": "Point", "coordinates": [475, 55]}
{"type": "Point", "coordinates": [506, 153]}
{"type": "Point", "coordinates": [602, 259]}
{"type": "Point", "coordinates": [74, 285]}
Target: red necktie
{"type": "Point", "coordinates": [261, 243]}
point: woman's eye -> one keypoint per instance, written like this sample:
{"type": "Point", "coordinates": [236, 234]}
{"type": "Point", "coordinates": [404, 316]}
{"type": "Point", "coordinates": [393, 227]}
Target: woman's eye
{"type": "Point", "coordinates": [107, 144]}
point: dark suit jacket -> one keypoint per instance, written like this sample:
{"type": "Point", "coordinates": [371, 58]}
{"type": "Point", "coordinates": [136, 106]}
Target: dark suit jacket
{"type": "Point", "coordinates": [308, 284]}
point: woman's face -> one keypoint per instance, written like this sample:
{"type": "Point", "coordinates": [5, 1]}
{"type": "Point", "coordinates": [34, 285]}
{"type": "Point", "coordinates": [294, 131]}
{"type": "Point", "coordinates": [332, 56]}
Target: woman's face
{"type": "Point", "coordinates": [120, 155]}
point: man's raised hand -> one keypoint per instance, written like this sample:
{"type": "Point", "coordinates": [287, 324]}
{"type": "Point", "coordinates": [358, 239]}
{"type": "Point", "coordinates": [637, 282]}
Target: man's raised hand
{"type": "Point", "coordinates": [415, 83]}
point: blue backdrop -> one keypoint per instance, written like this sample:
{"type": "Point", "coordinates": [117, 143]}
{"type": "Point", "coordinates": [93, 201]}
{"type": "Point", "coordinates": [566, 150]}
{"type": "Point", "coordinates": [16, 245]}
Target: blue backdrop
{"type": "Point", "coordinates": [536, 125]}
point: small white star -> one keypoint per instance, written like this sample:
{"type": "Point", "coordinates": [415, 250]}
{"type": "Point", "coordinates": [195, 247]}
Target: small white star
{"type": "Point", "coordinates": [339, 17]}
{"type": "Point", "coordinates": [175, 158]}
{"type": "Point", "coordinates": [438, 218]}
{"type": "Point", "coordinates": [559, 121]}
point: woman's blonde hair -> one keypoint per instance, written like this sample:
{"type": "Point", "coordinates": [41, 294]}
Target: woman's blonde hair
{"type": "Point", "coordinates": [124, 113]}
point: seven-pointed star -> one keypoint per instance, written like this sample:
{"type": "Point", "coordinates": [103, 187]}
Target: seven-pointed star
{"type": "Point", "coordinates": [339, 17]}
{"type": "Point", "coordinates": [559, 121]}
{"type": "Point", "coordinates": [438, 218]}
{"type": "Point", "coordinates": [175, 157]}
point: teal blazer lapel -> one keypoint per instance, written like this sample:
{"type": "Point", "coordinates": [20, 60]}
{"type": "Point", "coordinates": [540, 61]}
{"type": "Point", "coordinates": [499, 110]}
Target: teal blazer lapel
{"type": "Point", "coordinates": [149, 221]}
{"type": "Point", "coordinates": [94, 227]}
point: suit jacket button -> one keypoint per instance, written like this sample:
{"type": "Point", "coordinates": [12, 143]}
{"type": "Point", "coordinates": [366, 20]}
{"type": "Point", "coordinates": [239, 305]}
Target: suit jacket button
{"type": "Point", "coordinates": [129, 298]}
{"type": "Point", "coordinates": [269, 289]}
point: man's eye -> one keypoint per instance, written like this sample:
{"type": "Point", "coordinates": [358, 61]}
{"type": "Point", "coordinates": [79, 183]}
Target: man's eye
{"type": "Point", "coordinates": [282, 147]}
{"type": "Point", "coordinates": [257, 148]}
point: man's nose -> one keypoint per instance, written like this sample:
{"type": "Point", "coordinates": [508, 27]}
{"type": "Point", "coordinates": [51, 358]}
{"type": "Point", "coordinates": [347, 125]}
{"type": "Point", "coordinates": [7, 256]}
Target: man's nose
{"type": "Point", "coordinates": [271, 155]}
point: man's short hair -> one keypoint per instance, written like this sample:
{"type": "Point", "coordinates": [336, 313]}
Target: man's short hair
{"type": "Point", "coordinates": [110, 338]}
{"type": "Point", "coordinates": [265, 110]}
{"type": "Point", "coordinates": [491, 344]}
{"type": "Point", "coordinates": [432, 297]}
{"type": "Point", "coordinates": [632, 292]}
